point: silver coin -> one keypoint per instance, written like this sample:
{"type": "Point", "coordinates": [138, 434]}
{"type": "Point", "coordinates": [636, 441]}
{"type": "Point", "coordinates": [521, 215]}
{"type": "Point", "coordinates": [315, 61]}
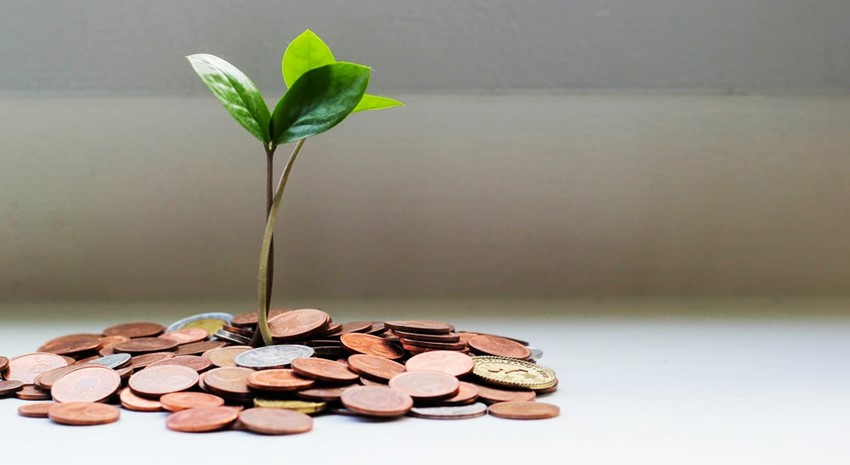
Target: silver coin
{"type": "Point", "coordinates": [113, 361]}
{"type": "Point", "coordinates": [450, 413]}
{"type": "Point", "coordinates": [226, 317]}
{"type": "Point", "coordinates": [278, 356]}
{"type": "Point", "coordinates": [536, 353]}
{"type": "Point", "coordinates": [228, 336]}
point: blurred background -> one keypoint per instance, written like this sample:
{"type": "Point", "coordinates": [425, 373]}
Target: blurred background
{"type": "Point", "coordinates": [548, 149]}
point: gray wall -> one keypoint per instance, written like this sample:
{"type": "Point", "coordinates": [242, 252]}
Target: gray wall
{"type": "Point", "coordinates": [547, 149]}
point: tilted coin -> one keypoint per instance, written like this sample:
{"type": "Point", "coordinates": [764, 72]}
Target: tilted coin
{"type": "Point", "coordinates": [159, 380]}
{"type": "Point", "coordinates": [445, 338]}
{"type": "Point", "coordinates": [177, 401]}
{"type": "Point", "coordinates": [421, 326]}
{"type": "Point", "coordinates": [536, 354]}
{"type": "Point", "coordinates": [35, 409]}
{"type": "Point", "coordinates": [499, 346]}
{"type": "Point", "coordinates": [306, 407]}
{"type": "Point", "coordinates": [142, 361]}
{"type": "Point", "coordinates": [84, 413]}
{"type": "Point", "coordinates": [376, 401]}
{"type": "Point", "coordinates": [467, 393]}
{"type": "Point", "coordinates": [375, 367]}
{"type": "Point", "coordinates": [466, 335]}
{"type": "Point", "coordinates": [133, 402]}
{"type": "Point", "coordinates": [199, 420]}
{"type": "Point", "coordinates": [195, 362]}
{"type": "Point", "coordinates": [275, 421]}
{"type": "Point", "coordinates": [514, 373]}
{"type": "Point", "coordinates": [10, 386]}
{"type": "Point", "coordinates": [524, 410]}
{"type": "Point", "coordinates": [228, 381]}
{"type": "Point", "coordinates": [492, 395]}
{"type": "Point", "coordinates": [371, 382]}
{"type": "Point", "coordinates": [72, 344]}
{"type": "Point", "coordinates": [276, 356]}
{"type": "Point", "coordinates": [25, 368]}
{"type": "Point", "coordinates": [229, 336]}
{"type": "Point", "coordinates": [225, 356]}
{"type": "Point", "coordinates": [198, 348]}
{"type": "Point", "coordinates": [32, 392]}
{"type": "Point", "coordinates": [114, 361]}
{"type": "Point", "coordinates": [186, 335]}
{"type": "Point", "coordinates": [298, 324]}
{"type": "Point", "coordinates": [135, 329]}
{"type": "Point", "coordinates": [418, 345]}
{"type": "Point", "coordinates": [453, 363]}
{"type": "Point", "coordinates": [368, 344]}
{"type": "Point", "coordinates": [324, 370]}
{"type": "Point", "coordinates": [355, 327]}
{"type": "Point", "coordinates": [4, 364]}
{"type": "Point", "coordinates": [45, 380]}
{"type": "Point", "coordinates": [249, 319]}
{"type": "Point", "coordinates": [91, 383]}
{"type": "Point", "coordinates": [211, 322]}
{"type": "Point", "coordinates": [280, 379]}
{"type": "Point", "coordinates": [450, 413]}
{"type": "Point", "coordinates": [426, 385]}
{"type": "Point", "coordinates": [323, 394]}
{"type": "Point", "coordinates": [145, 345]}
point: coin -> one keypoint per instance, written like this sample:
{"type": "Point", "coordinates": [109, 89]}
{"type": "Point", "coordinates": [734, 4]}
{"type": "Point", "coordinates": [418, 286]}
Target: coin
{"type": "Point", "coordinates": [199, 420]}
{"type": "Point", "coordinates": [248, 319]}
{"type": "Point", "coordinates": [159, 380]}
{"type": "Point", "coordinates": [445, 338]}
{"type": "Point", "coordinates": [492, 395]}
{"type": "Point", "coordinates": [131, 401]}
{"type": "Point", "coordinates": [141, 361]}
{"type": "Point", "coordinates": [114, 361]}
{"type": "Point", "coordinates": [35, 409]}
{"type": "Point", "coordinates": [376, 401]}
{"type": "Point", "coordinates": [198, 348]}
{"type": "Point", "coordinates": [453, 363]}
{"type": "Point", "coordinates": [83, 413]}
{"type": "Point", "coordinates": [229, 336]}
{"type": "Point", "coordinates": [225, 356]}
{"type": "Point", "coordinates": [371, 345]}
{"type": "Point", "coordinates": [450, 413]}
{"type": "Point", "coordinates": [498, 346]}
{"type": "Point", "coordinates": [32, 392]}
{"type": "Point", "coordinates": [211, 322]}
{"type": "Point", "coordinates": [91, 383]}
{"type": "Point", "coordinates": [323, 394]}
{"type": "Point", "coordinates": [276, 356]}
{"type": "Point", "coordinates": [145, 345]}
{"type": "Point", "coordinates": [306, 407]}
{"type": "Point", "coordinates": [4, 364]}
{"type": "Point", "coordinates": [536, 353]}
{"type": "Point", "coordinates": [466, 335]}
{"type": "Point", "coordinates": [228, 381]}
{"type": "Point", "coordinates": [298, 324]}
{"type": "Point", "coordinates": [281, 379]}
{"type": "Point", "coordinates": [177, 401]}
{"type": "Point", "coordinates": [324, 370]}
{"type": "Point", "coordinates": [10, 386]}
{"type": "Point", "coordinates": [375, 367]}
{"type": "Point", "coordinates": [72, 344]}
{"type": "Point", "coordinates": [426, 385]}
{"type": "Point", "coordinates": [25, 368]}
{"type": "Point", "coordinates": [275, 421]}
{"type": "Point", "coordinates": [355, 327]}
{"type": "Point", "coordinates": [45, 380]}
{"type": "Point", "coordinates": [421, 326]}
{"type": "Point", "coordinates": [524, 410]}
{"type": "Point", "coordinates": [135, 329]}
{"type": "Point", "coordinates": [419, 345]}
{"type": "Point", "coordinates": [186, 335]}
{"type": "Point", "coordinates": [513, 373]}
{"type": "Point", "coordinates": [195, 362]}
{"type": "Point", "coordinates": [467, 393]}
{"type": "Point", "coordinates": [371, 382]}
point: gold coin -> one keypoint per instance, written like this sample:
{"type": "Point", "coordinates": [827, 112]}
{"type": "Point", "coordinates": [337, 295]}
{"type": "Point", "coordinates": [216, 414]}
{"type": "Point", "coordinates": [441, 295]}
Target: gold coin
{"type": "Point", "coordinates": [297, 405]}
{"type": "Point", "coordinates": [511, 372]}
{"type": "Point", "coordinates": [211, 325]}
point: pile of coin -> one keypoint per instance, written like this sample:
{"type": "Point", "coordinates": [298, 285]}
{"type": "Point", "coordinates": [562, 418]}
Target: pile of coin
{"type": "Point", "coordinates": [204, 370]}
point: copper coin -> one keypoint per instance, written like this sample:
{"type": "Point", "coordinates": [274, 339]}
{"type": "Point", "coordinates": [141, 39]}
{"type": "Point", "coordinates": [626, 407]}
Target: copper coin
{"type": "Point", "coordinates": [84, 413]}
{"type": "Point", "coordinates": [281, 379]}
{"type": "Point", "coordinates": [25, 368]}
{"type": "Point", "coordinates": [195, 362]}
{"type": "Point", "coordinates": [453, 363]}
{"type": "Point", "coordinates": [141, 361]}
{"type": "Point", "coordinates": [186, 335]}
{"type": "Point", "coordinates": [378, 328]}
{"type": "Point", "coordinates": [177, 401]}
{"type": "Point", "coordinates": [332, 328]}
{"type": "Point", "coordinates": [450, 413]}
{"type": "Point", "coordinates": [375, 367]}
{"type": "Point", "coordinates": [136, 329]}
{"type": "Point", "coordinates": [324, 370]}
{"type": "Point", "coordinates": [467, 393]}
{"type": "Point", "coordinates": [456, 346]}
{"type": "Point", "coordinates": [198, 348]}
{"type": "Point", "coordinates": [133, 402]}
{"type": "Point", "coordinates": [499, 346]}
{"type": "Point", "coordinates": [466, 335]}
{"type": "Point", "coordinates": [249, 319]}
{"type": "Point", "coordinates": [45, 380]}
{"type": "Point", "coordinates": [145, 345]}
{"type": "Point", "coordinates": [4, 364]}
{"type": "Point", "coordinates": [35, 409]}
{"type": "Point", "coordinates": [371, 382]}
{"type": "Point", "coordinates": [355, 327]}
{"type": "Point", "coordinates": [445, 338]}
{"type": "Point", "coordinates": [371, 345]}
{"type": "Point", "coordinates": [426, 385]}
{"type": "Point", "coordinates": [493, 395]}
{"type": "Point", "coordinates": [32, 392]}
{"type": "Point", "coordinates": [323, 394]}
{"type": "Point", "coordinates": [110, 340]}
{"type": "Point", "coordinates": [91, 383]}
{"type": "Point", "coordinates": [10, 386]}
{"type": "Point", "coordinates": [200, 420]}
{"type": "Point", "coordinates": [72, 344]}
{"type": "Point", "coordinates": [275, 421]}
{"type": "Point", "coordinates": [228, 380]}
{"type": "Point", "coordinates": [524, 410]}
{"type": "Point", "coordinates": [159, 380]}
{"type": "Point", "coordinates": [298, 324]}
{"type": "Point", "coordinates": [225, 356]}
{"type": "Point", "coordinates": [421, 326]}
{"type": "Point", "coordinates": [379, 401]}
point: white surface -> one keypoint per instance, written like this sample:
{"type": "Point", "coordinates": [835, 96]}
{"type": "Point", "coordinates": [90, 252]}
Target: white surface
{"type": "Point", "coordinates": [653, 391]}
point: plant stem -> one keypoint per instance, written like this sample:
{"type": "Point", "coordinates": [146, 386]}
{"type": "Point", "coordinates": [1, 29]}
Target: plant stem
{"type": "Point", "coordinates": [263, 292]}
{"type": "Point", "coordinates": [269, 199]}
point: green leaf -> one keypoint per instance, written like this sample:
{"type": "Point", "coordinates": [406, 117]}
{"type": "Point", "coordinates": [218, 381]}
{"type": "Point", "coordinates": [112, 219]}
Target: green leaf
{"type": "Point", "coordinates": [319, 100]}
{"type": "Point", "coordinates": [236, 92]}
{"type": "Point", "coordinates": [305, 52]}
{"type": "Point", "coordinates": [376, 102]}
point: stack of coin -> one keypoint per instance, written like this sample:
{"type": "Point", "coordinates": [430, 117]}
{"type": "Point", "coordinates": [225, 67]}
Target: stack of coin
{"type": "Point", "coordinates": [203, 370]}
